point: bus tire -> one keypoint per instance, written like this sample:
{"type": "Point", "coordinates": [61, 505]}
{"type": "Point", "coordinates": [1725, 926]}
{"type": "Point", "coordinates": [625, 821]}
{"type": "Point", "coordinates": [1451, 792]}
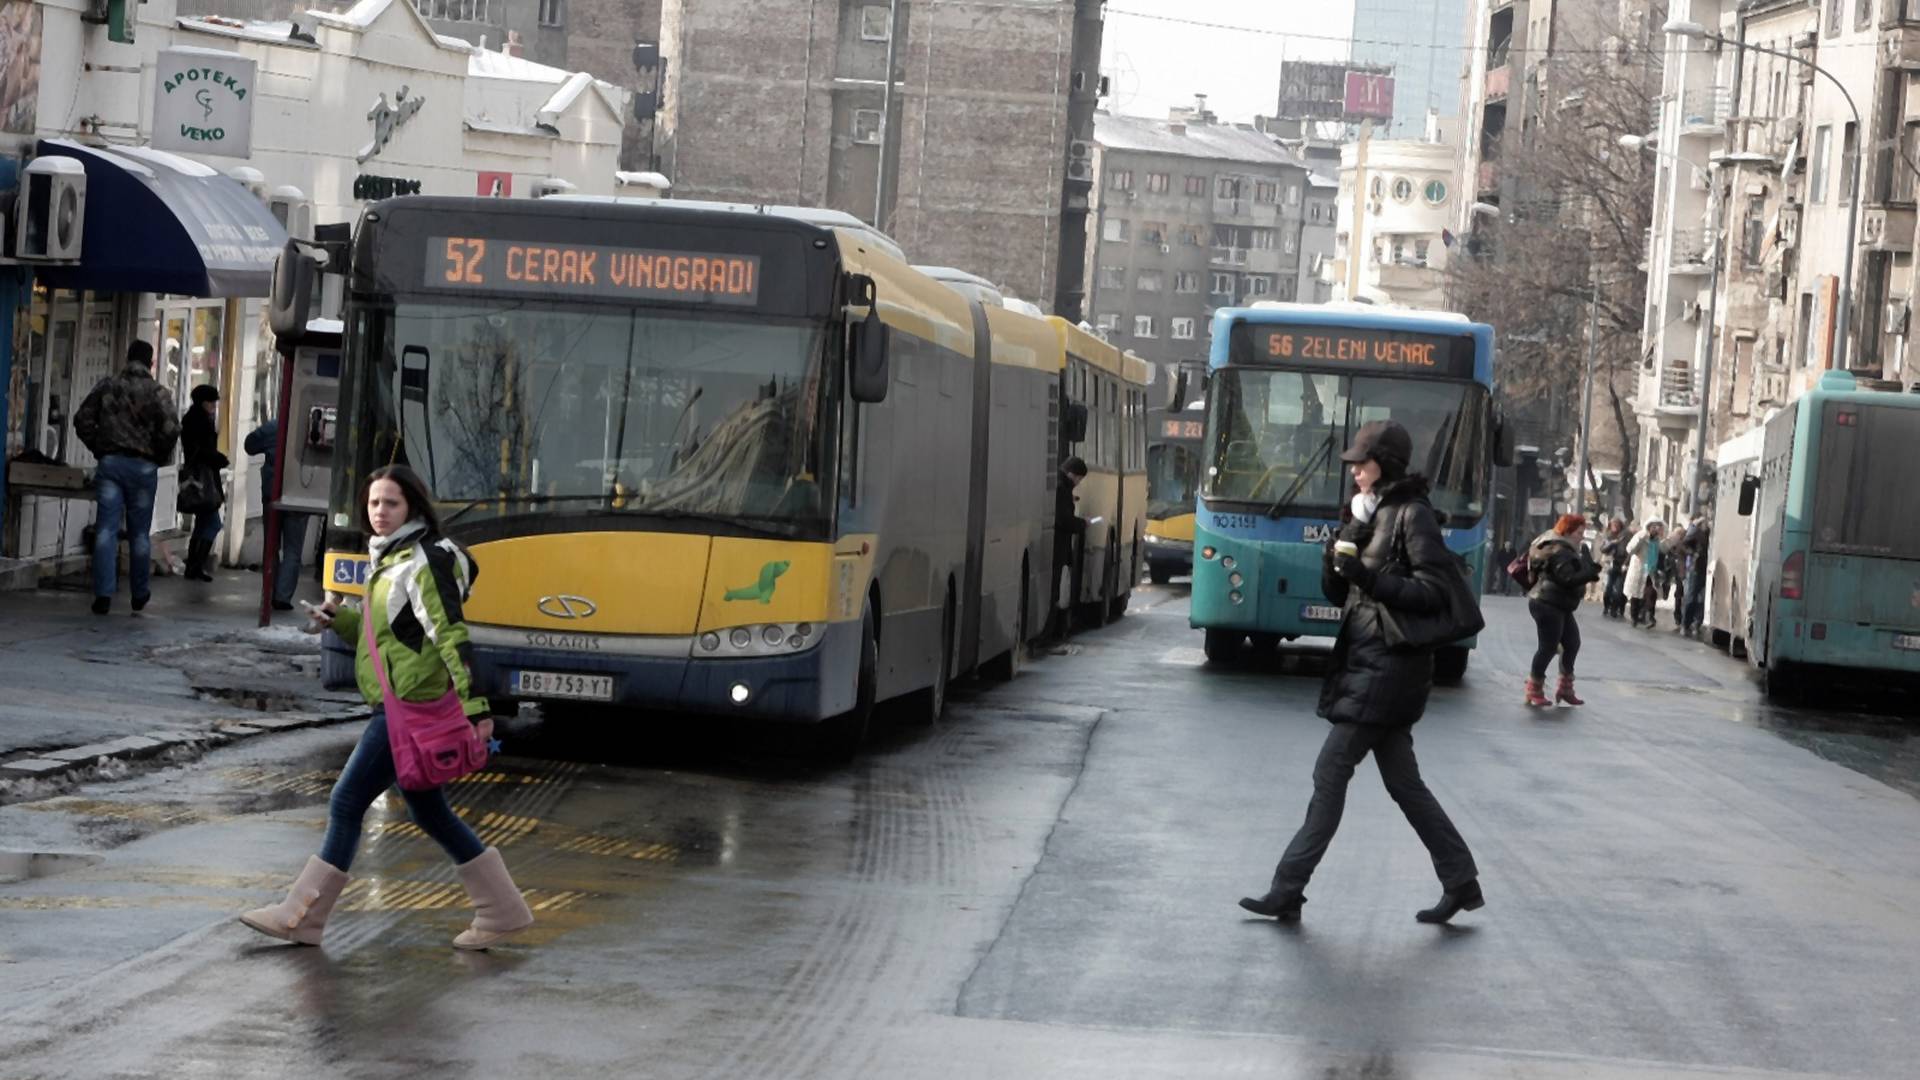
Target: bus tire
{"type": "Point", "coordinates": [841, 737]}
{"type": "Point", "coordinates": [1450, 664]}
{"type": "Point", "coordinates": [1006, 667]}
{"type": "Point", "coordinates": [1223, 646]}
{"type": "Point", "coordinates": [924, 707]}
{"type": "Point", "coordinates": [1780, 682]}
{"type": "Point", "coordinates": [1159, 573]}
{"type": "Point", "coordinates": [1117, 609]}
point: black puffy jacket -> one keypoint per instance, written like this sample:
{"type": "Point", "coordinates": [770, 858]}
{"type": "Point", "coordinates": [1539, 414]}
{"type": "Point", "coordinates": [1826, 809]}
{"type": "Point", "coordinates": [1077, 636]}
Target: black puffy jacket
{"type": "Point", "coordinates": [1561, 571]}
{"type": "Point", "coordinates": [1369, 682]}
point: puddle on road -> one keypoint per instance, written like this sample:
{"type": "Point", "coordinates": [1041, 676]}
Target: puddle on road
{"type": "Point", "coordinates": [1883, 747]}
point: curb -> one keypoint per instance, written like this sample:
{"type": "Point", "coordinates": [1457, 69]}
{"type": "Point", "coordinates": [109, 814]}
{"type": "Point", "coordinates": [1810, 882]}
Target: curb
{"type": "Point", "coordinates": [57, 765]}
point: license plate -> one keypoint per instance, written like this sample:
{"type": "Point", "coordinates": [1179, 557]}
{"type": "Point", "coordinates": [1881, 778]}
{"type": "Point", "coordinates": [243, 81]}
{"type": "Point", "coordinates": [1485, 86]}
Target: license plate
{"type": "Point", "coordinates": [556, 684]}
{"type": "Point", "coordinates": [1907, 641]}
{"type": "Point", "coordinates": [1319, 613]}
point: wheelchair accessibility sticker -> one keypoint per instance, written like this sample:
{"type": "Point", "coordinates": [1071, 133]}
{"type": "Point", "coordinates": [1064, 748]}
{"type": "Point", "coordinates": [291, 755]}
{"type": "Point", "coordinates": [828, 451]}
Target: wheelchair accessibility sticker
{"type": "Point", "coordinates": [347, 573]}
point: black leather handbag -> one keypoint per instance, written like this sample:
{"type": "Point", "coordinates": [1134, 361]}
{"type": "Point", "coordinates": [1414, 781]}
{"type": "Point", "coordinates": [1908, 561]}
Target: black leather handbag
{"type": "Point", "coordinates": [1457, 619]}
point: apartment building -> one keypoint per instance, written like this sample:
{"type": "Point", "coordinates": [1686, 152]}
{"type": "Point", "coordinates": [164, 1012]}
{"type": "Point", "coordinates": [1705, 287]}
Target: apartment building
{"type": "Point", "coordinates": [1396, 202]}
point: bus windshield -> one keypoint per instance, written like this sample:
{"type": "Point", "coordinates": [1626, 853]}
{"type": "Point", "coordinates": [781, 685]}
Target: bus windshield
{"type": "Point", "coordinates": [535, 406]}
{"type": "Point", "coordinates": [1173, 474]}
{"type": "Point", "coordinates": [1277, 438]}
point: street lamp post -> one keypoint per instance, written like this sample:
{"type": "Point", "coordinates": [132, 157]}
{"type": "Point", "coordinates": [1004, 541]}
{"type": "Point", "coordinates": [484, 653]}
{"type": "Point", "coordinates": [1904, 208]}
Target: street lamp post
{"type": "Point", "coordinates": [1696, 32]}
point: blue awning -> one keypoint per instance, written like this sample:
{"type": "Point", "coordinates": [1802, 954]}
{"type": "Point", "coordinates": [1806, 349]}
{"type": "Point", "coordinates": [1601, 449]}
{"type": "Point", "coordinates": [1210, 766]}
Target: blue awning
{"type": "Point", "coordinates": [158, 222]}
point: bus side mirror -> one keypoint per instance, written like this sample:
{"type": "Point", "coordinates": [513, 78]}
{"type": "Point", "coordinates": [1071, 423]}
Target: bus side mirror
{"type": "Point", "coordinates": [1749, 491]}
{"type": "Point", "coordinates": [1076, 422]}
{"type": "Point", "coordinates": [1179, 403]}
{"type": "Point", "coordinates": [1502, 443]}
{"type": "Point", "coordinates": [291, 298]}
{"type": "Point", "coordinates": [870, 377]}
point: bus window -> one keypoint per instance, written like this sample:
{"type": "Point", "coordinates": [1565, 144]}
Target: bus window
{"type": "Point", "coordinates": [1276, 429]}
{"type": "Point", "coordinates": [1864, 452]}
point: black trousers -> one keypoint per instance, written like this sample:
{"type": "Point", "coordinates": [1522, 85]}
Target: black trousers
{"type": "Point", "coordinates": [1392, 748]}
{"type": "Point", "coordinates": [1558, 633]}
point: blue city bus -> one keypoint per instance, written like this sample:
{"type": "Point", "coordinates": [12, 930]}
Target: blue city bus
{"type": "Point", "coordinates": [1290, 383]}
{"type": "Point", "coordinates": [1835, 557]}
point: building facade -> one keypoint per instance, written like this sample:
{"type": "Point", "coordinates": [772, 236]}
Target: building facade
{"type": "Point", "coordinates": [1422, 41]}
{"type": "Point", "coordinates": [1396, 203]}
{"type": "Point", "coordinates": [961, 155]}
{"type": "Point", "coordinates": [1192, 215]}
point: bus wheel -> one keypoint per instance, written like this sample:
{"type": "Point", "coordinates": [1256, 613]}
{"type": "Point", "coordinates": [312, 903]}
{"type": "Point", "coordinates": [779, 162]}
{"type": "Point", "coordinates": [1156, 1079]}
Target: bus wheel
{"type": "Point", "coordinates": [1780, 682]}
{"type": "Point", "coordinates": [1004, 667]}
{"type": "Point", "coordinates": [1223, 646]}
{"type": "Point", "coordinates": [1450, 665]}
{"type": "Point", "coordinates": [840, 737]}
{"type": "Point", "coordinates": [926, 706]}
{"type": "Point", "coordinates": [1159, 573]}
{"type": "Point", "coordinates": [1117, 609]}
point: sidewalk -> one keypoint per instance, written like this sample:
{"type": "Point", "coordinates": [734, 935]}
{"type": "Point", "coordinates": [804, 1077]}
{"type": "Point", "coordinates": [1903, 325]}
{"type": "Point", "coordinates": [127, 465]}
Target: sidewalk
{"type": "Point", "coordinates": [192, 668]}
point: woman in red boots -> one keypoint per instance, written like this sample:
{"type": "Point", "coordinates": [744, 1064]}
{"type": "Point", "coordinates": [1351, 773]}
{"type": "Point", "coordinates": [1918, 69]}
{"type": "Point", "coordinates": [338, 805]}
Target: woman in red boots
{"type": "Point", "coordinates": [1561, 570]}
{"type": "Point", "coordinates": [419, 581]}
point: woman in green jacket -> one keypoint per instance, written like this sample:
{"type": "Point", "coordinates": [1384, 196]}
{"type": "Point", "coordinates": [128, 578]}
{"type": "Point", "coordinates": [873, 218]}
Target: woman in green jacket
{"type": "Point", "coordinates": [414, 595]}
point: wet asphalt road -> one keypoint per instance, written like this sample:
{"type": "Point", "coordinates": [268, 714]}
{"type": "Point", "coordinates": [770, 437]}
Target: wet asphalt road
{"type": "Point", "coordinates": [1681, 881]}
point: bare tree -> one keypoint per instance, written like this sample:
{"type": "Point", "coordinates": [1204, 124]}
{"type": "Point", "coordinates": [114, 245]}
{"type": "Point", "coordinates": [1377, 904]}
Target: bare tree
{"type": "Point", "coordinates": [1572, 231]}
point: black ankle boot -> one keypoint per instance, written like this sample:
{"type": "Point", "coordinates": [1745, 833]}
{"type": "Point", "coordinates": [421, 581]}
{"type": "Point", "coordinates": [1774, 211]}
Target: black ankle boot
{"type": "Point", "coordinates": [199, 554]}
{"type": "Point", "coordinates": [1467, 897]}
{"type": "Point", "coordinates": [1277, 904]}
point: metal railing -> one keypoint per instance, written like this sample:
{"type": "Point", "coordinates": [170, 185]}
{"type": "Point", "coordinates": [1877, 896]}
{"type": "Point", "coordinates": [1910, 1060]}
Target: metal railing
{"type": "Point", "coordinates": [1230, 256]}
{"type": "Point", "coordinates": [1677, 389]}
{"type": "Point", "coordinates": [1705, 110]}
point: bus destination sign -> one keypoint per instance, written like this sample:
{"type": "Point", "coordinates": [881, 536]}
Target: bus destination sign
{"type": "Point", "coordinates": [1357, 348]}
{"type": "Point", "coordinates": [586, 270]}
{"type": "Point", "coordinates": [1182, 429]}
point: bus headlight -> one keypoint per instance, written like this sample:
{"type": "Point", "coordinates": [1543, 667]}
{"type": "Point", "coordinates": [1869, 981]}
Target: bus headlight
{"type": "Point", "coordinates": [740, 693]}
{"type": "Point", "coordinates": [773, 635]}
{"type": "Point", "coordinates": [742, 637]}
{"type": "Point", "coordinates": [1234, 579]}
{"type": "Point", "coordinates": [758, 640]}
{"type": "Point", "coordinates": [1235, 596]}
{"type": "Point", "coordinates": [710, 642]}
{"type": "Point", "coordinates": [1227, 563]}
{"type": "Point", "coordinates": [1208, 552]}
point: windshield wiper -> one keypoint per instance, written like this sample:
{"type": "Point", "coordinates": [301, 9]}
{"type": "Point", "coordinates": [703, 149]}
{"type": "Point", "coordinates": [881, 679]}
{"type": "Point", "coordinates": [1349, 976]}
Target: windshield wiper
{"type": "Point", "coordinates": [759, 526]}
{"type": "Point", "coordinates": [1280, 507]}
{"type": "Point", "coordinates": [529, 500]}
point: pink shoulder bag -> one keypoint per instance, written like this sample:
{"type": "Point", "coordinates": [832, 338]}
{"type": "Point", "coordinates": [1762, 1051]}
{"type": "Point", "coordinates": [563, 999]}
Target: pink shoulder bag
{"type": "Point", "coordinates": [433, 742]}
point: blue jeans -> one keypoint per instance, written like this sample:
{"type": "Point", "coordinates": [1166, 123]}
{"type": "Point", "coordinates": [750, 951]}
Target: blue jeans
{"type": "Point", "coordinates": [286, 567]}
{"type": "Point", "coordinates": [123, 488]}
{"type": "Point", "coordinates": [206, 526]}
{"type": "Point", "coordinates": [369, 771]}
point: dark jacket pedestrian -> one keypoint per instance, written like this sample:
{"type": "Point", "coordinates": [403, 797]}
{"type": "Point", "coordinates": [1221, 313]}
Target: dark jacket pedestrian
{"type": "Point", "coordinates": [1561, 571]}
{"type": "Point", "coordinates": [1389, 557]}
{"type": "Point", "coordinates": [201, 489]}
{"type": "Point", "coordinates": [1614, 553]}
{"type": "Point", "coordinates": [265, 440]}
{"type": "Point", "coordinates": [1068, 527]}
{"type": "Point", "coordinates": [127, 422]}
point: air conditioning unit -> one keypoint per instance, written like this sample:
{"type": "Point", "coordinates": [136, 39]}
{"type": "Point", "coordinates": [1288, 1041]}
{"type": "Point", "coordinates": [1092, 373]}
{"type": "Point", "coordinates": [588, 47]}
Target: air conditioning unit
{"type": "Point", "coordinates": [1080, 170]}
{"type": "Point", "coordinates": [51, 210]}
{"type": "Point", "coordinates": [1079, 150]}
{"type": "Point", "coordinates": [291, 209]}
{"type": "Point", "coordinates": [1777, 285]}
{"type": "Point", "coordinates": [548, 186]}
{"type": "Point", "coordinates": [1898, 315]}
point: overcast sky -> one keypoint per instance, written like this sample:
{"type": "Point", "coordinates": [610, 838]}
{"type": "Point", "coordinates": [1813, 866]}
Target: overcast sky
{"type": "Point", "coordinates": [1155, 64]}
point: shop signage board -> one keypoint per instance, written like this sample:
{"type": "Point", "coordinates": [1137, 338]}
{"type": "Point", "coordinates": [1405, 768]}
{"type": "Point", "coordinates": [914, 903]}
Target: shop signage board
{"type": "Point", "coordinates": [203, 102]}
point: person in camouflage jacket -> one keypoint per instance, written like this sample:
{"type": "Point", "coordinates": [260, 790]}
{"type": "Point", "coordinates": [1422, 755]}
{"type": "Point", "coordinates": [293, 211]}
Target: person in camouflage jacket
{"type": "Point", "coordinates": [128, 422]}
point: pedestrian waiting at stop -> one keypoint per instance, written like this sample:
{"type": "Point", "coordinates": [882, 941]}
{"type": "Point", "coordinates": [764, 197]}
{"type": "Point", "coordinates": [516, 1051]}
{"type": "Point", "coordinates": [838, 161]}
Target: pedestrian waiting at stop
{"type": "Point", "coordinates": [413, 646]}
{"type": "Point", "coordinates": [1069, 535]}
{"type": "Point", "coordinates": [1643, 566]}
{"type": "Point", "coordinates": [201, 490]}
{"type": "Point", "coordinates": [1561, 571]}
{"type": "Point", "coordinates": [127, 423]}
{"type": "Point", "coordinates": [1387, 562]}
{"type": "Point", "coordinates": [1693, 612]}
{"type": "Point", "coordinates": [1613, 552]}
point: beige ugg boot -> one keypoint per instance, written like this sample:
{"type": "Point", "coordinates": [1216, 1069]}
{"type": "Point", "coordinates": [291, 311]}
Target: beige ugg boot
{"type": "Point", "coordinates": [302, 916]}
{"type": "Point", "coordinates": [498, 907]}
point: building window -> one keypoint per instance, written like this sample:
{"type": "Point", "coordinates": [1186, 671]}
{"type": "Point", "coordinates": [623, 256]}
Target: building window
{"type": "Point", "coordinates": [1149, 281]}
{"type": "Point", "coordinates": [1822, 147]}
{"type": "Point", "coordinates": [1191, 236]}
{"type": "Point", "coordinates": [1182, 330]}
{"type": "Point", "coordinates": [1313, 212]}
{"type": "Point", "coordinates": [1114, 230]}
{"type": "Point", "coordinates": [1262, 239]}
{"type": "Point", "coordinates": [1862, 14]}
{"type": "Point", "coordinates": [866, 126]}
{"type": "Point", "coordinates": [1186, 281]}
{"type": "Point", "coordinates": [1228, 188]}
{"type": "Point", "coordinates": [1753, 232]}
{"type": "Point", "coordinates": [551, 13]}
{"type": "Point", "coordinates": [1107, 324]}
{"type": "Point", "coordinates": [1259, 284]}
{"type": "Point", "coordinates": [1223, 285]}
{"type": "Point", "coordinates": [1289, 289]}
{"type": "Point", "coordinates": [1289, 244]}
{"type": "Point", "coordinates": [1293, 195]}
{"type": "Point", "coordinates": [1377, 187]}
{"type": "Point", "coordinates": [1849, 154]}
{"type": "Point", "coordinates": [1834, 7]}
{"type": "Point", "coordinates": [1420, 251]}
{"type": "Point", "coordinates": [1153, 232]}
{"type": "Point", "coordinates": [1266, 191]}
{"type": "Point", "coordinates": [1196, 185]}
{"type": "Point", "coordinates": [1158, 183]}
{"type": "Point", "coordinates": [1402, 189]}
{"type": "Point", "coordinates": [1436, 192]}
{"type": "Point", "coordinates": [875, 22]}
{"type": "Point", "coordinates": [1143, 326]}
{"type": "Point", "coordinates": [1120, 179]}
{"type": "Point", "coordinates": [454, 10]}
{"type": "Point", "coordinates": [1113, 277]}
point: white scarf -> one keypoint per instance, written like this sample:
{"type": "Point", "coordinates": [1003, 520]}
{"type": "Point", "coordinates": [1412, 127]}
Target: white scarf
{"type": "Point", "coordinates": [1363, 505]}
{"type": "Point", "coordinates": [380, 545]}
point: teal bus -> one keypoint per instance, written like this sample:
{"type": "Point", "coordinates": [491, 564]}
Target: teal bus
{"type": "Point", "coordinates": [1289, 384]}
{"type": "Point", "coordinates": [1835, 556]}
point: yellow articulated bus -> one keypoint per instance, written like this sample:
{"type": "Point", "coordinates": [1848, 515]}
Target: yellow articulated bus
{"type": "Point", "coordinates": [709, 459]}
{"type": "Point", "coordinates": [1112, 500]}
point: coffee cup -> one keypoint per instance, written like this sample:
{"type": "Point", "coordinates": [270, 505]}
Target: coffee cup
{"type": "Point", "coordinates": [1346, 547]}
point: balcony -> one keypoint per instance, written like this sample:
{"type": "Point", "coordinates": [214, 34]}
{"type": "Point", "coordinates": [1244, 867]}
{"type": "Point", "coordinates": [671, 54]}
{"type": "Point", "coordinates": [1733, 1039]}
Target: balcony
{"type": "Point", "coordinates": [1408, 277]}
{"type": "Point", "coordinates": [1887, 227]}
{"type": "Point", "coordinates": [1679, 397]}
{"type": "Point", "coordinates": [1689, 252]}
{"type": "Point", "coordinates": [1228, 256]}
{"type": "Point", "coordinates": [1900, 48]}
{"type": "Point", "coordinates": [1498, 79]}
{"type": "Point", "coordinates": [1704, 112]}
{"type": "Point", "coordinates": [1894, 13]}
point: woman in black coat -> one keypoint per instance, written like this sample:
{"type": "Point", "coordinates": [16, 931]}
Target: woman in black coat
{"type": "Point", "coordinates": [1561, 573]}
{"type": "Point", "coordinates": [200, 446]}
{"type": "Point", "coordinates": [1374, 693]}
